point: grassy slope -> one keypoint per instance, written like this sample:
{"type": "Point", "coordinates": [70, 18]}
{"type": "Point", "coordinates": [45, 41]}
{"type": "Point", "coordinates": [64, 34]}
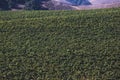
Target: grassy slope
{"type": "Point", "coordinates": [60, 45]}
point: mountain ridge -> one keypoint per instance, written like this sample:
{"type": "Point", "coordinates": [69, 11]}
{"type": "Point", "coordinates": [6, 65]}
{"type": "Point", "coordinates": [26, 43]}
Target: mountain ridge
{"type": "Point", "coordinates": [84, 4]}
{"type": "Point", "coordinates": [57, 4]}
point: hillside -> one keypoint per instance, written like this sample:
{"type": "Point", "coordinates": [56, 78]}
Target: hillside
{"type": "Point", "coordinates": [60, 45]}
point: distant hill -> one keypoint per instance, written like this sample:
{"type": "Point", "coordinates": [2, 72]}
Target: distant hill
{"type": "Point", "coordinates": [104, 1]}
{"type": "Point", "coordinates": [84, 4]}
{"type": "Point", "coordinates": [57, 4]}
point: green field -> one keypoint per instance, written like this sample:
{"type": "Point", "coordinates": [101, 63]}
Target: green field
{"type": "Point", "coordinates": [60, 45]}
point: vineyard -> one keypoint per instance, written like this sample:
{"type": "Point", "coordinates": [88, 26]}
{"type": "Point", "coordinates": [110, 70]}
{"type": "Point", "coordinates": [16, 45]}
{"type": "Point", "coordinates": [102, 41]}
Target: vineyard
{"type": "Point", "coordinates": [60, 45]}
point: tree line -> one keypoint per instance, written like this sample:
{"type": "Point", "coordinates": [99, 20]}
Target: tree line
{"type": "Point", "coordinates": [29, 4]}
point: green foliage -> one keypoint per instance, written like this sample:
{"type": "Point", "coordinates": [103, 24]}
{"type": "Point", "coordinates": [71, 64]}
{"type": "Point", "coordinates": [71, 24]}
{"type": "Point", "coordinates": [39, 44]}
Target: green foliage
{"type": "Point", "coordinates": [4, 5]}
{"type": "Point", "coordinates": [33, 5]}
{"type": "Point", "coordinates": [29, 4]}
{"type": "Point", "coordinates": [60, 45]}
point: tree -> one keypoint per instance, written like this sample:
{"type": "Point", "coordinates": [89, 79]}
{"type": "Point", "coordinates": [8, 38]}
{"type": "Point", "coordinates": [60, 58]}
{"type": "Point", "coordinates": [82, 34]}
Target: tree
{"type": "Point", "coordinates": [4, 5]}
{"type": "Point", "coordinates": [29, 4]}
{"type": "Point", "coordinates": [33, 5]}
{"type": "Point", "coordinates": [11, 3]}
